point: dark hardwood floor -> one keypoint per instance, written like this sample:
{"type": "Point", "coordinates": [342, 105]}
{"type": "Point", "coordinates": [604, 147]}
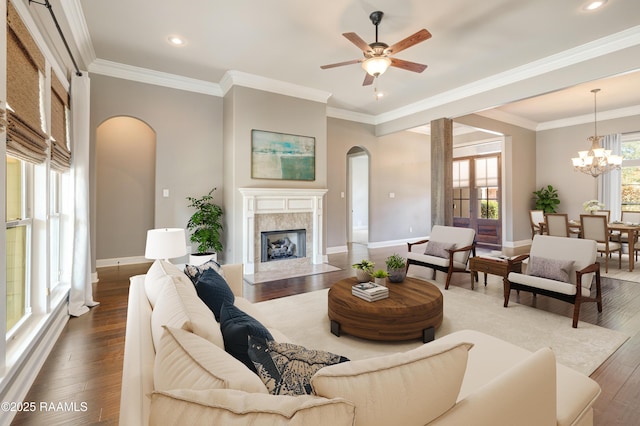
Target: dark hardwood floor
{"type": "Point", "coordinates": [85, 365]}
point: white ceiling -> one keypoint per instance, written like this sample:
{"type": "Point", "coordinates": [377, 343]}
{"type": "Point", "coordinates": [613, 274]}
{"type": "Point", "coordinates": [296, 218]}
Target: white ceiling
{"type": "Point", "coordinates": [474, 42]}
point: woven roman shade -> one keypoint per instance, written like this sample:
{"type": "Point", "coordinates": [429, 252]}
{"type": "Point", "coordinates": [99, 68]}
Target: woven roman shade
{"type": "Point", "coordinates": [25, 62]}
{"type": "Point", "coordinates": [60, 154]}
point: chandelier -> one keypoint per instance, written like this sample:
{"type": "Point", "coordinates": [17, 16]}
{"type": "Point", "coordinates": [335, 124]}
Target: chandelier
{"type": "Point", "coordinates": [597, 160]}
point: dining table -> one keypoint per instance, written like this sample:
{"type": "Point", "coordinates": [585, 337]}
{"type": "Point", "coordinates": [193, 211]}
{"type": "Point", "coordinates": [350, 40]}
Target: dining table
{"type": "Point", "coordinates": [631, 229]}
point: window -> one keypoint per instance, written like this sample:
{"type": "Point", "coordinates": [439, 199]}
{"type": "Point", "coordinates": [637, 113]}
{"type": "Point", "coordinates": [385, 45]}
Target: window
{"type": "Point", "coordinates": [461, 190]}
{"type": "Point", "coordinates": [631, 172]}
{"type": "Point", "coordinates": [18, 238]}
{"type": "Point", "coordinates": [486, 181]}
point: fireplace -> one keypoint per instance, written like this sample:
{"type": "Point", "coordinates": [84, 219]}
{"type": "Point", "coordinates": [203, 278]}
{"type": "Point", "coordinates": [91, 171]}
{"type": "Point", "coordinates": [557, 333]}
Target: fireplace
{"type": "Point", "coordinates": [283, 245]}
{"type": "Point", "coordinates": [269, 209]}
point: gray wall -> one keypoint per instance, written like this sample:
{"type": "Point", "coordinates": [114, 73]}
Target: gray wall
{"type": "Point", "coordinates": [188, 129]}
{"type": "Point", "coordinates": [246, 109]}
{"type": "Point", "coordinates": [399, 164]}
{"type": "Point", "coordinates": [125, 180]}
{"type": "Point", "coordinates": [556, 147]}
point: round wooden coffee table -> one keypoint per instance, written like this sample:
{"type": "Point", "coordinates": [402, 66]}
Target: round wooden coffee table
{"type": "Point", "coordinates": [412, 310]}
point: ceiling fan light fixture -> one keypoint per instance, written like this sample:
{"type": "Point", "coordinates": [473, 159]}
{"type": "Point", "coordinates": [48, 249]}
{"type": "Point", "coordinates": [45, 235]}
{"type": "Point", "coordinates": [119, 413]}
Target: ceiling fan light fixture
{"type": "Point", "coordinates": [376, 66]}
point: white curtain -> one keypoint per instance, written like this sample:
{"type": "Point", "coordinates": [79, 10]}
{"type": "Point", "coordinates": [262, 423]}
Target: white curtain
{"type": "Point", "coordinates": [81, 294]}
{"type": "Point", "coordinates": [610, 184]}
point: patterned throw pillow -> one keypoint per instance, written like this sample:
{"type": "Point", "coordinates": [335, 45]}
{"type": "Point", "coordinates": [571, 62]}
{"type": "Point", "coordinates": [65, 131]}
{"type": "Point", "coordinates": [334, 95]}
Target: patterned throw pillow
{"type": "Point", "coordinates": [285, 368]}
{"type": "Point", "coordinates": [194, 271]}
{"type": "Point", "coordinates": [213, 289]}
{"type": "Point", "coordinates": [553, 269]}
{"type": "Point", "coordinates": [439, 249]}
{"type": "Point", "coordinates": [237, 326]}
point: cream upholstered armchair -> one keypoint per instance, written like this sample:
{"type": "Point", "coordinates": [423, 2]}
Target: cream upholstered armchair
{"type": "Point", "coordinates": [594, 227]}
{"type": "Point", "coordinates": [447, 250]}
{"type": "Point", "coordinates": [562, 268]}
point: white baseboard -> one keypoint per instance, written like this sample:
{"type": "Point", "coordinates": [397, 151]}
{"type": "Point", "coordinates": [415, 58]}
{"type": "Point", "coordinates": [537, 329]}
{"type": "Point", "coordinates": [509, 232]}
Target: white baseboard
{"type": "Point", "coordinates": [337, 249]}
{"type": "Point", "coordinates": [100, 263]}
{"type": "Point", "coordinates": [20, 377]}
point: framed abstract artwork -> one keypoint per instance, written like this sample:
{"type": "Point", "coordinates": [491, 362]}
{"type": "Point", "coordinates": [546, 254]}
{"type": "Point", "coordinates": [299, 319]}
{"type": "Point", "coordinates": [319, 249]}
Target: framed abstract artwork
{"type": "Point", "coordinates": [282, 156]}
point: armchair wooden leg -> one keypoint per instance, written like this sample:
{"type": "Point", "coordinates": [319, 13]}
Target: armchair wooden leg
{"type": "Point", "coordinates": [449, 273]}
{"type": "Point", "coordinates": [576, 313]}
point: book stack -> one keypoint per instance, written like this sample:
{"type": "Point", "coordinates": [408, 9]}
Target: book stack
{"type": "Point", "coordinates": [370, 291]}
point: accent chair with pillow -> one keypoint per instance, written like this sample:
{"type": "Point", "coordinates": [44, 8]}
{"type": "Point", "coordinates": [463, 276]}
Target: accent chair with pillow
{"type": "Point", "coordinates": [562, 268]}
{"type": "Point", "coordinates": [447, 250]}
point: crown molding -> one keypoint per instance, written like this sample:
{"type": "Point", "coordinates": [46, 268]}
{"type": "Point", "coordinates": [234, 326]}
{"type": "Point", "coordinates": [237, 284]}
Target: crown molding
{"type": "Point", "coordinates": [344, 114]}
{"type": "Point", "coordinates": [72, 10]}
{"type": "Point", "coordinates": [238, 78]}
{"type": "Point", "coordinates": [587, 51]}
{"type": "Point", "coordinates": [144, 75]}
{"type": "Point", "coordinates": [588, 118]}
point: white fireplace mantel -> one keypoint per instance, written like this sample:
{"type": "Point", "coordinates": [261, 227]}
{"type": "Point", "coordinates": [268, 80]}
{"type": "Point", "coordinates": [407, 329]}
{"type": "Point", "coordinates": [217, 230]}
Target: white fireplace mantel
{"type": "Point", "coordinates": [257, 201]}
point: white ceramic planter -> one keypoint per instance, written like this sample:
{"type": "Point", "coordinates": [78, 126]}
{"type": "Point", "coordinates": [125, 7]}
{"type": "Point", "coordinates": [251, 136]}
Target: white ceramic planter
{"type": "Point", "coordinates": [198, 259]}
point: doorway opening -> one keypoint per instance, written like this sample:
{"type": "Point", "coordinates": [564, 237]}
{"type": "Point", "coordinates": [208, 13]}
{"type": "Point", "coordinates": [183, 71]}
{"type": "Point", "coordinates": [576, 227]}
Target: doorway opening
{"type": "Point", "coordinates": [358, 200]}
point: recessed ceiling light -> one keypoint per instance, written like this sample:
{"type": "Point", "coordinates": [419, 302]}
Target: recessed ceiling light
{"type": "Point", "coordinates": [177, 41]}
{"type": "Point", "coordinates": [593, 5]}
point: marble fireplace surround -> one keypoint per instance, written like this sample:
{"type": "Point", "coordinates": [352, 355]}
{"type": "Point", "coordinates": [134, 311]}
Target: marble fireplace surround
{"type": "Point", "coordinates": [281, 208]}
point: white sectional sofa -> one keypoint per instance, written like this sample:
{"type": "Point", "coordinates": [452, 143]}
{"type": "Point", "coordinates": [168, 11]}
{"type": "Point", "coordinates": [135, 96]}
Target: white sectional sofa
{"type": "Point", "coordinates": [467, 377]}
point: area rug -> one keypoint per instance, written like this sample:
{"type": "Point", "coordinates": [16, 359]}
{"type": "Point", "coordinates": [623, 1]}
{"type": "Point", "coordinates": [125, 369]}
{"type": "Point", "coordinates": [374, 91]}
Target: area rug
{"type": "Point", "coordinates": [303, 318]}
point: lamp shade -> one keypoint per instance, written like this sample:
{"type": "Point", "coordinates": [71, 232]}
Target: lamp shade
{"type": "Point", "coordinates": [165, 243]}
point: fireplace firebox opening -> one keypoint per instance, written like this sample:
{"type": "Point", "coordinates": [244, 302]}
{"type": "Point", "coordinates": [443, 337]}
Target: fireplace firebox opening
{"type": "Point", "coordinates": [283, 245]}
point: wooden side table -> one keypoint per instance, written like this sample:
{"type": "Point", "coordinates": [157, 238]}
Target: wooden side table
{"type": "Point", "coordinates": [493, 266]}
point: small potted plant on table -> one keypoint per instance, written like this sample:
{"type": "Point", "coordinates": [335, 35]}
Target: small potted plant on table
{"type": "Point", "coordinates": [380, 277]}
{"type": "Point", "coordinates": [364, 270]}
{"type": "Point", "coordinates": [396, 268]}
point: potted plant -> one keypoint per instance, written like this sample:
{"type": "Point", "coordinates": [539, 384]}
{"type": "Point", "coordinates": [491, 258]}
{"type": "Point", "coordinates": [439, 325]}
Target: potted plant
{"type": "Point", "coordinates": [396, 268]}
{"type": "Point", "coordinates": [547, 199]}
{"type": "Point", "coordinates": [364, 270]}
{"type": "Point", "coordinates": [205, 226]}
{"type": "Point", "coordinates": [380, 277]}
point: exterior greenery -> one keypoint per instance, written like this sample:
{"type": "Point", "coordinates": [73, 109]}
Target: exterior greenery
{"type": "Point", "coordinates": [547, 199]}
{"type": "Point", "coordinates": [631, 177]}
{"type": "Point", "coordinates": [489, 209]}
{"type": "Point", "coordinates": [205, 224]}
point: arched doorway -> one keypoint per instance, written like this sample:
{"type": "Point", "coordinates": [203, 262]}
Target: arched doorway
{"type": "Point", "coordinates": [358, 201]}
{"type": "Point", "coordinates": [125, 188]}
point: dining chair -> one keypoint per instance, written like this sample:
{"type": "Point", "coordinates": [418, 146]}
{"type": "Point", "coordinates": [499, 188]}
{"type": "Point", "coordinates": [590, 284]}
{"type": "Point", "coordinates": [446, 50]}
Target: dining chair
{"type": "Point", "coordinates": [632, 217]}
{"type": "Point", "coordinates": [536, 217]}
{"type": "Point", "coordinates": [594, 227]}
{"type": "Point", "coordinates": [557, 224]}
{"type": "Point", "coordinates": [606, 213]}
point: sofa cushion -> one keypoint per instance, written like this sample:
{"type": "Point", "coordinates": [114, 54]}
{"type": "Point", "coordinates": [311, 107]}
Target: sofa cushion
{"type": "Point", "coordinates": [159, 269]}
{"type": "Point", "coordinates": [285, 368]}
{"type": "Point", "coordinates": [179, 306]}
{"type": "Point", "coordinates": [233, 407]}
{"type": "Point", "coordinates": [194, 271]}
{"type": "Point", "coordinates": [439, 249]}
{"type": "Point", "coordinates": [417, 386]}
{"type": "Point", "coordinates": [186, 360]}
{"type": "Point", "coordinates": [552, 269]}
{"type": "Point", "coordinates": [237, 326]}
{"type": "Point", "coordinates": [213, 289]}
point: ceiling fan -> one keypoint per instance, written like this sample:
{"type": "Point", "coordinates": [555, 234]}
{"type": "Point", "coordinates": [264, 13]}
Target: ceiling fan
{"type": "Point", "coordinates": [378, 55]}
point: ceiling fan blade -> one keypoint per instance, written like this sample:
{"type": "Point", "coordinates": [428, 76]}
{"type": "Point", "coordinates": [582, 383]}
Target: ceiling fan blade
{"type": "Point", "coordinates": [416, 38]}
{"type": "Point", "coordinates": [368, 79]}
{"type": "Point", "coordinates": [339, 64]}
{"type": "Point", "coordinates": [355, 39]}
{"type": "Point", "coordinates": [407, 65]}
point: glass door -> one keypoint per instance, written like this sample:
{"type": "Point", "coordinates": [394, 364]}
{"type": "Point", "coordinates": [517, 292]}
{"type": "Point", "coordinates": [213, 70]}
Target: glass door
{"type": "Point", "coordinates": [476, 198]}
